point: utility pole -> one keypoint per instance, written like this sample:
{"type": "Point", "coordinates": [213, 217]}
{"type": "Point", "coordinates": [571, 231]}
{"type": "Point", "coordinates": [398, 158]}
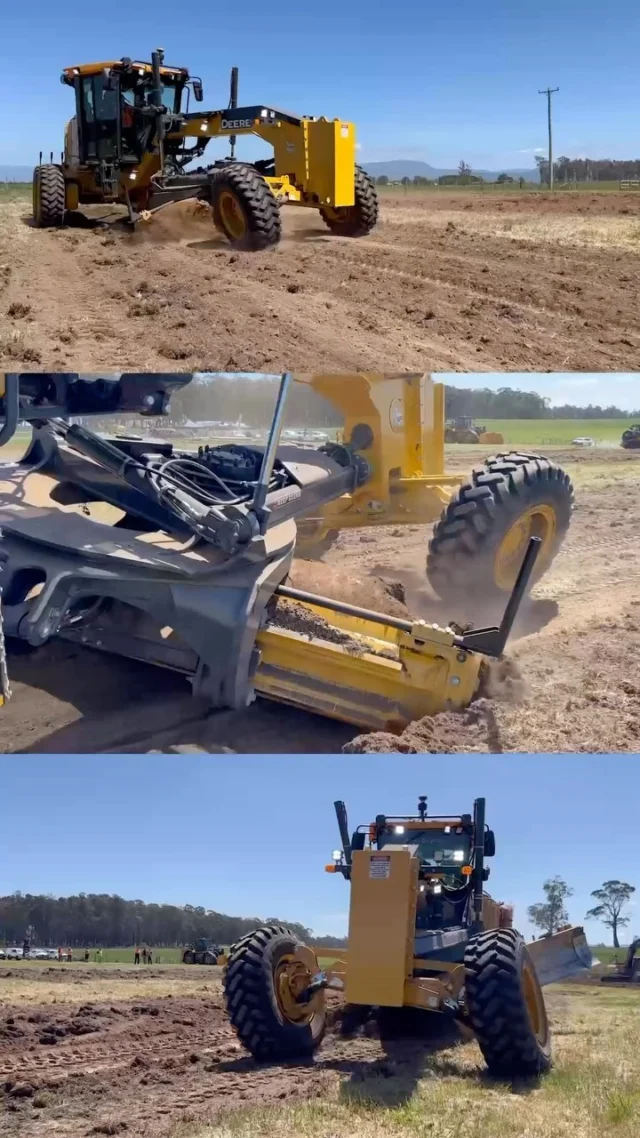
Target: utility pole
{"type": "Point", "coordinates": [549, 91]}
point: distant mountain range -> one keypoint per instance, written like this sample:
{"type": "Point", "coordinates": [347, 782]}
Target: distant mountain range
{"type": "Point", "coordinates": [408, 168]}
{"type": "Point", "coordinates": [394, 170]}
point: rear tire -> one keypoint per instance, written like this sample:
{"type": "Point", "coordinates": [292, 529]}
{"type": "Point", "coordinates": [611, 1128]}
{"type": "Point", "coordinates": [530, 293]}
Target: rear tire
{"type": "Point", "coordinates": [209, 958]}
{"type": "Point", "coordinates": [465, 555]}
{"type": "Point", "coordinates": [359, 219]}
{"type": "Point", "coordinates": [505, 1005]}
{"type": "Point", "coordinates": [49, 201]}
{"type": "Point", "coordinates": [252, 1001]}
{"type": "Point", "coordinates": [244, 208]}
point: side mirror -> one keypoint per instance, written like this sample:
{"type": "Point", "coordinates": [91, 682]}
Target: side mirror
{"type": "Point", "coordinates": [357, 840]}
{"type": "Point", "coordinates": [198, 93]}
{"type": "Point", "coordinates": [489, 843]}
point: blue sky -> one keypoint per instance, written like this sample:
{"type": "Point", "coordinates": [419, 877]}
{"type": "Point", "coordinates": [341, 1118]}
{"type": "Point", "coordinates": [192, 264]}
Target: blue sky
{"type": "Point", "coordinates": [251, 836]}
{"type": "Point", "coordinates": [619, 390]}
{"type": "Point", "coordinates": [435, 82]}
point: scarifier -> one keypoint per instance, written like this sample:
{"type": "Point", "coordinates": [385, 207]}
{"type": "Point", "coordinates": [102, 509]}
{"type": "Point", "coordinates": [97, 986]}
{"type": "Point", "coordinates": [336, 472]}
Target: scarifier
{"type": "Point", "coordinates": [134, 139]}
{"type": "Point", "coordinates": [180, 558]}
{"type": "Point", "coordinates": [423, 937]}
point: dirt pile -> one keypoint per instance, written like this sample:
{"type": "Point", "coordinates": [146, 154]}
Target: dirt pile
{"type": "Point", "coordinates": [363, 589]}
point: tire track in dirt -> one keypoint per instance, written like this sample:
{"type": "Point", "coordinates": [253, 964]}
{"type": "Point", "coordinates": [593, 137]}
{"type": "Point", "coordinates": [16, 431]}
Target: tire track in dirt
{"type": "Point", "coordinates": [453, 300]}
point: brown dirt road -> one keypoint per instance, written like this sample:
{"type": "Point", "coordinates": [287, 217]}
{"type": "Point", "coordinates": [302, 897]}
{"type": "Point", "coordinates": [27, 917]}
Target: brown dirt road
{"type": "Point", "coordinates": [453, 282]}
{"type": "Point", "coordinates": [576, 648]}
{"type": "Point", "coordinates": [147, 1066]}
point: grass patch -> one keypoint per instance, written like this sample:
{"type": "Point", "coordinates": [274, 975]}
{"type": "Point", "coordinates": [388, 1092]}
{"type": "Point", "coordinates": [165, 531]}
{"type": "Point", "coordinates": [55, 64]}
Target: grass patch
{"type": "Point", "coordinates": [592, 1092]}
{"type": "Point", "coordinates": [557, 432]}
{"type": "Point", "coordinates": [29, 983]}
{"type": "Point", "coordinates": [15, 192]}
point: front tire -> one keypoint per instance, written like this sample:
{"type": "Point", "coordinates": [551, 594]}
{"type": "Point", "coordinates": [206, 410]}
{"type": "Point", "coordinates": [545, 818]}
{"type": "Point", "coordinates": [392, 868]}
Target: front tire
{"type": "Point", "coordinates": [266, 1021]}
{"type": "Point", "coordinates": [187, 957]}
{"type": "Point", "coordinates": [359, 219]}
{"type": "Point", "coordinates": [505, 1005]}
{"type": "Point", "coordinates": [244, 209]}
{"type": "Point", "coordinates": [478, 544]}
{"type": "Point", "coordinates": [49, 201]}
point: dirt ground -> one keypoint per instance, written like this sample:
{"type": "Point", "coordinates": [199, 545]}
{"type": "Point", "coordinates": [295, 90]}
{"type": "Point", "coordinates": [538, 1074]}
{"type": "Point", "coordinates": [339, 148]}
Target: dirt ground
{"type": "Point", "coordinates": [570, 682]}
{"type": "Point", "coordinates": [448, 282]}
{"type": "Point", "coordinates": [91, 1055]}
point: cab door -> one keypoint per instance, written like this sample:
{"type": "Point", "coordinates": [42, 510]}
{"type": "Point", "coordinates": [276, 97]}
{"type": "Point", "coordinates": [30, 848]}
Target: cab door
{"type": "Point", "coordinates": [98, 110]}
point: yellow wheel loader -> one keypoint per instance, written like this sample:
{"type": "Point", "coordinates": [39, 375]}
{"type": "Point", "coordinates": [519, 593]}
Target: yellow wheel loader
{"type": "Point", "coordinates": [135, 137]}
{"type": "Point", "coordinates": [181, 557]}
{"type": "Point", "coordinates": [423, 937]}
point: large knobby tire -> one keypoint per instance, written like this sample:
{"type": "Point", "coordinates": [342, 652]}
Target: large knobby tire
{"type": "Point", "coordinates": [49, 203]}
{"type": "Point", "coordinates": [359, 219]}
{"type": "Point", "coordinates": [479, 542]}
{"type": "Point", "coordinates": [210, 958]}
{"type": "Point", "coordinates": [505, 1005]}
{"type": "Point", "coordinates": [253, 1004]}
{"type": "Point", "coordinates": [244, 208]}
{"type": "Point", "coordinates": [187, 957]}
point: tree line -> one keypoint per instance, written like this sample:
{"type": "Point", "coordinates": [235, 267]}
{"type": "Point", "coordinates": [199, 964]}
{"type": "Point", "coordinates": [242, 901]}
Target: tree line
{"type": "Point", "coordinates": [92, 920]}
{"type": "Point", "coordinates": [589, 169]}
{"type": "Point", "coordinates": [508, 403]}
{"type": "Point", "coordinates": [611, 899]}
{"type": "Point", "coordinates": [227, 398]}
{"type": "Point", "coordinates": [251, 400]}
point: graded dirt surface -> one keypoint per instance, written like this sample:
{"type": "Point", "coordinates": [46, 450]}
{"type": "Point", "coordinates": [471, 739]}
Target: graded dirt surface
{"type": "Point", "coordinates": [142, 1052]}
{"type": "Point", "coordinates": [446, 282]}
{"type": "Point", "coordinates": [570, 682]}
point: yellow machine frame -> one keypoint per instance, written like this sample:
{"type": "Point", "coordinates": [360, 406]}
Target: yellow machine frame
{"type": "Point", "coordinates": [408, 485]}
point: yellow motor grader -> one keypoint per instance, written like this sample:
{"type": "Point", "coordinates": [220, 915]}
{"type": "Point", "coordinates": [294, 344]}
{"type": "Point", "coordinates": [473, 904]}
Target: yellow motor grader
{"type": "Point", "coordinates": [423, 937]}
{"type": "Point", "coordinates": [135, 137]}
{"type": "Point", "coordinates": [180, 557]}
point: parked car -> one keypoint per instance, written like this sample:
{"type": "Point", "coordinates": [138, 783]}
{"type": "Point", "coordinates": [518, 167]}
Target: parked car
{"type": "Point", "coordinates": [583, 441]}
{"type": "Point", "coordinates": [2, 954]}
{"type": "Point", "coordinates": [14, 953]}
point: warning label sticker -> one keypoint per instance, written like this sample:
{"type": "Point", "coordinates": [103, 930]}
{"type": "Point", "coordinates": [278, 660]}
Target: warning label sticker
{"type": "Point", "coordinates": [380, 866]}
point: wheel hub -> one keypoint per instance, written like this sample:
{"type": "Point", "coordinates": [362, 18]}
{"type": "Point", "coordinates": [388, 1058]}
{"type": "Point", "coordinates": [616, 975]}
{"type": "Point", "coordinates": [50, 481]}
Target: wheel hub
{"type": "Point", "coordinates": [537, 521]}
{"type": "Point", "coordinates": [292, 977]}
{"type": "Point", "coordinates": [232, 215]}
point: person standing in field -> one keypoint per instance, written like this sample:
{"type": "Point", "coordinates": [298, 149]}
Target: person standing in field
{"type": "Point", "coordinates": [149, 956]}
{"type": "Point", "coordinates": [60, 956]}
{"type": "Point", "coordinates": [70, 955]}
{"type": "Point", "coordinates": [136, 956]}
{"type": "Point", "coordinates": [86, 955]}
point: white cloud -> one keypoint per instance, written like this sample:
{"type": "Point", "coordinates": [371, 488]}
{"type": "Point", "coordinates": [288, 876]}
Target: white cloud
{"type": "Point", "coordinates": [531, 150]}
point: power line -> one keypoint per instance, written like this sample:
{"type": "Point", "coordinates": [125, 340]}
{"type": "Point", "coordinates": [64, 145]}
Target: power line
{"type": "Point", "coordinates": [549, 91]}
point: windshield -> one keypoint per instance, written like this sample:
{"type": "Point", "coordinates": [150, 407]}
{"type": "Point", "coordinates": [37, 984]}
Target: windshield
{"type": "Point", "coordinates": [437, 848]}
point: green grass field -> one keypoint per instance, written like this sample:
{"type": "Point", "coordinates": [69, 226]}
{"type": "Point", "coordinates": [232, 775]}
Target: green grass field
{"type": "Point", "coordinates": [556, 432]}
{"type": "Point", "coordinates": [499, 188]}
{"type": "Point", "coordinates": [14, 191]}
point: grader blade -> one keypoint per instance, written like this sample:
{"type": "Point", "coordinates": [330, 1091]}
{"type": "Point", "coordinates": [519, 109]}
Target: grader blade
{"type": "Point", "coordinates": [561, 956]}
